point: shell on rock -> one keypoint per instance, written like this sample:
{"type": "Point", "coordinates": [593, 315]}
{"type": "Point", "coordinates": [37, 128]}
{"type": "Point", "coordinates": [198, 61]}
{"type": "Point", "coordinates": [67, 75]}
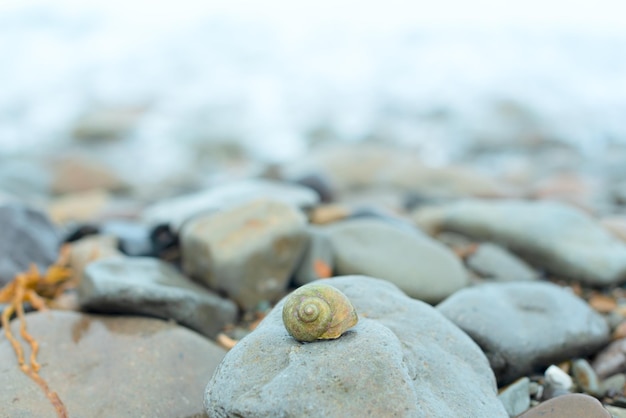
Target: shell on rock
{"type": "Point", "coordinates": [318, 312]}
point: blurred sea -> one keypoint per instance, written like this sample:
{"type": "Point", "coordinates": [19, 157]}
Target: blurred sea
{"type": "Point", "coordinates": [273, 76]}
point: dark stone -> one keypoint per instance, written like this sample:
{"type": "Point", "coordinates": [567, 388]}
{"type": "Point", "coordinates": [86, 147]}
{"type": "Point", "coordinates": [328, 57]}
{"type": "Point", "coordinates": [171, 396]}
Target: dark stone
{"type": "Point", "coordinates": [27, 237]}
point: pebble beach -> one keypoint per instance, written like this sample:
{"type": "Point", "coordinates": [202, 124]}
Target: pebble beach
{"type": "Point", "coordinates": [467, 228]}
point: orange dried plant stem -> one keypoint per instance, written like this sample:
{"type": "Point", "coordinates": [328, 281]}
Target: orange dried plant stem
{"type": "Point", "coordinates": [34, 346]}
{"type": "Point", "coordinates": [6, 315]}
{"type": "Point", "coordinates": [23, 289]}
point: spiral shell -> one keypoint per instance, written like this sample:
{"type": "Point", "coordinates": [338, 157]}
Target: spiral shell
{"type": "Point", "coordinates": [318, 312]}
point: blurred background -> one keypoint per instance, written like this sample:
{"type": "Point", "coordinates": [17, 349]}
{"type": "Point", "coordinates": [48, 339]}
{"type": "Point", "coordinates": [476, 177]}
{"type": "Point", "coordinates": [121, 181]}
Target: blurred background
{"type": "Point", "coordinates": [154, 89]}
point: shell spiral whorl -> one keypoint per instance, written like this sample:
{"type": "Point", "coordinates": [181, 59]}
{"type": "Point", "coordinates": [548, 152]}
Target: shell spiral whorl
{"type": "Point", "coordinates": [318, 311]}
{"type": "Point", "coordinates": [309, 310]}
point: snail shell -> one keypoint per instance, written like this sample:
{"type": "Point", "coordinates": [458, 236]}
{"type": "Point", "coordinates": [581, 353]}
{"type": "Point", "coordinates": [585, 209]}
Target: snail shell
{"type": "Point", "coordinates": [318, 312]}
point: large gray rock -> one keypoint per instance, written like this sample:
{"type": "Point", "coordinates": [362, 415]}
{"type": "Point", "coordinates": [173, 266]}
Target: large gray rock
{"type": "Point", "coordinates": [522, 326]}
{"type": "Point", "coordinates": [109, 366]}
{"type": "Point", "coordinates": [148, 286]}
{"type": "Point", "coordinates": [26, 236]}
{"type": "Point", "coordinates": [402, 359]}
{"type": "Point", "coordinates": [423, 268]}
{"type": "Point", "coordinates": [248, 251]}
{"type": "Point", "coordinates": [559, 238]}
{"type": "Point", "coordinates": [177, 211]}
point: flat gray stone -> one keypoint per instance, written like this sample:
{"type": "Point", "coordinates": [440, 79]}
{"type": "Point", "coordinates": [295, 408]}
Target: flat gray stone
{"type": "Point", "coordinates": [422, 267]}
{"type": "Point", "coordinates": [247, 252]}
{"type": "Point", "coordinates": [522, 326]}
{"type": "Point", "coordinates": [496, 263]}
{"type": "Point", "coordinates": [27, 237]}
{"type": "Point", "coordinates": [109, 366]}
{"type": "Point", "coordinates": [550, 235]}
{"type": "Point", "coordinates": [516, 397]}
{"type": "Point", "coordinates": [178, 210]}
{"type": "Point", "coordinates": [148, 286]}
{"type": "Point", "coordinates": [402, 359]}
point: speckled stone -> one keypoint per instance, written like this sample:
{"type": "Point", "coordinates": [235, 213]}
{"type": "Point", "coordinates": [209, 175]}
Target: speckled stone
{"type": "Point", "coordinates": [575, 405]}
{"type": "Point", "coordinates": [387, 365]}
{"type": "Point", "coordinates": [247, 252]}
{"type": "Point", "coordinates": [524, 326]}
{"type": "Point", "coordinates": [552, 236]}
{"type": "Point", "coordinates": [148, 286]}
{"type": "Point", "coordinates": [101, 366]}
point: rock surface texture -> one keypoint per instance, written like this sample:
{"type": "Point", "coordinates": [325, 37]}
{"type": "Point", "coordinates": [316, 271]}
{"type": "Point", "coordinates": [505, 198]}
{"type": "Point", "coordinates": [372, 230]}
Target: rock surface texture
{"type": "Point", "coordinates": [26, 236]}
{"type": "Point", "coordinates": [124, 367]}
{"type": "Point", "coordinates": [177, 211]}
{"type": "Point", "coordinates": [420, 266]}
{"type": "Point", "coordinates": [147, 286]}
{"type": "Point", "coordinates": [248, 252]}
{"type": "Point", "coordinates": [575, 405]}
{"type": "Point", "coordinates": [496, 263]}
{"type": "Point", "coordinates": [525, 325]}
{"type": "Point", "coordinates": [553, 236]}
{"type": "Point", "coordinates": [402, 359]}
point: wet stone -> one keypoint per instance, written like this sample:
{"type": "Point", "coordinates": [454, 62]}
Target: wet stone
{"type": "Point", "coordinates": [103, 366]}
{"type": "Point", "coordinates": [147, 286]}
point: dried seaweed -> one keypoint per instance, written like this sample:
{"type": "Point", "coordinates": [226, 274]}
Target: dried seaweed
{"type": "Point", "coordinates": [36, 289]}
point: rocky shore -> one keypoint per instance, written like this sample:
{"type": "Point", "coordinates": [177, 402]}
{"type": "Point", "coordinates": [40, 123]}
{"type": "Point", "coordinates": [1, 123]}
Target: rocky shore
{"type": "Point", "coordinates": [489, 287]}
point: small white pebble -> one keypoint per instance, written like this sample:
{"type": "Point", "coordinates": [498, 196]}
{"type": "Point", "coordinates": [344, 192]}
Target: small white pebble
{"type": "Point", "coordinates": [557, 378]}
